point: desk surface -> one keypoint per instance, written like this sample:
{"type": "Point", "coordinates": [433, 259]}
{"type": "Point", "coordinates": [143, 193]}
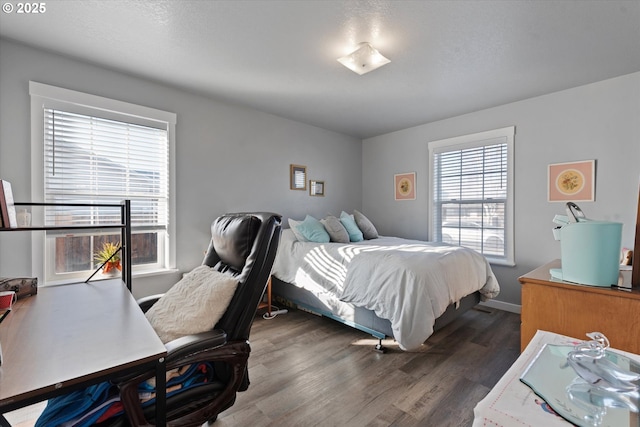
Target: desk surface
{"type": "Point", "coordinates": [72, 334]}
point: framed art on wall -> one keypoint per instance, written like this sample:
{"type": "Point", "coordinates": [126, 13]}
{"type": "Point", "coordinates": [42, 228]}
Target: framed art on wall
{"type": "Point", "coordinates": [316, 188]}
{"type": "Point", "coordinates": [298, 177]}
{"type": "Point", "coordinates": [572, 182]}
{"type": "Point", "coordinates": [405, 186]}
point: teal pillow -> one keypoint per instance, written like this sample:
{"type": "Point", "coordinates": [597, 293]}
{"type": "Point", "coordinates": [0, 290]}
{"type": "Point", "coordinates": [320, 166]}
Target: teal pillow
{"type": "Point", "coordinates": [313, 230]}
{"type": "Point", "coordinates": [355, 235]}
{"type": "Point", "coordinates": [293, 225]}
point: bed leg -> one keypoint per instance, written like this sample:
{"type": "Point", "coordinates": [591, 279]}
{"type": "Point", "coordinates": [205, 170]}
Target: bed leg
{"type": "Point", "coordinates": [379, 347]}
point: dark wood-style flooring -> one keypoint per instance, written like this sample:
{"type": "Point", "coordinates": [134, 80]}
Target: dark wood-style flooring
{"type": "Point", "coordinates": [307, 371]}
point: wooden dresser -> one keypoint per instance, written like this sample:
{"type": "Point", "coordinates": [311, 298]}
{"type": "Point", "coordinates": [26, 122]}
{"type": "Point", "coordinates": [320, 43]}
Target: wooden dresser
{"type": "Point", "coordinates": [574, 310]}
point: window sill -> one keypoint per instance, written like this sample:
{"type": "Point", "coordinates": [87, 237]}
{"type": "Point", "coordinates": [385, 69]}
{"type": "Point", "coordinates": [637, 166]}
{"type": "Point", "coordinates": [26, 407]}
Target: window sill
{"type": "Point", "coordinates": [501, 262]}
{"type": "Point", "coordinates": [139, 275]}
{"type": "Point", "coordinates": [152, 273]}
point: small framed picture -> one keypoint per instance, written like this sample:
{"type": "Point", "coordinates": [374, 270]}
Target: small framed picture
{"type": "Point", "coordinates": [316, 188]}
{"type": "Point", "coordinates": [298, 177]}
{"type": "Point", "coordinates": [405, 186]}
{"type": "Point", "coordinates": [572, 182]}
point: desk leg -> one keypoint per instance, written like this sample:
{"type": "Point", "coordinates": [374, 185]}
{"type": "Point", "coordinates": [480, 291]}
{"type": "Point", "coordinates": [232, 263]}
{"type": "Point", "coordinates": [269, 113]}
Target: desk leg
{"type": "Point", "coordinates": [269, 296]}
{"type": "Point", "coordinates": [161, 393]}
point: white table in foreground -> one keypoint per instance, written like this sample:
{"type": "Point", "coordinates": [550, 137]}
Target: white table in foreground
{"type": "Point", "coordinates": [512, 403]}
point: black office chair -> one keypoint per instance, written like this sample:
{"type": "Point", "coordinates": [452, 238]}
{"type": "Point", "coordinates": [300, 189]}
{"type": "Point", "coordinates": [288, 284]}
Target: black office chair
{"type": "Point", "coordinates": [244, 245]}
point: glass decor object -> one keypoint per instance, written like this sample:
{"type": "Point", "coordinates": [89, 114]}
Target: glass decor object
{"type": "Point", "coordinates": [24, 218]}
{"type": "Point", "coordinates": [589, 361]}
{"type": "Point", "coordinates": [587, 384]}
{"type": "Point", "coordinates": [364, 59]}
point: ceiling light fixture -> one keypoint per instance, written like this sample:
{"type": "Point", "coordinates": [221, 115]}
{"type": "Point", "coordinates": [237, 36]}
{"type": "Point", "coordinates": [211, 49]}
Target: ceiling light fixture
{"type": "Point", "coordinates": [364, 59]}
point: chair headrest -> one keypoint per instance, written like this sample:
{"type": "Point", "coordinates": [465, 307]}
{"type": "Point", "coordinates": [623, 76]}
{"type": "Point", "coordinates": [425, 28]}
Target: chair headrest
{"type": "Point", "coordinates": [233, 236]}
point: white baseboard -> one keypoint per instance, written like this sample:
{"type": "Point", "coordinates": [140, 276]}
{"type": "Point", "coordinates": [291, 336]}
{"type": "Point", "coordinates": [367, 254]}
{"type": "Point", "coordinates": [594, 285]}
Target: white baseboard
{"type": "Point", "coordinates": [505, 306]}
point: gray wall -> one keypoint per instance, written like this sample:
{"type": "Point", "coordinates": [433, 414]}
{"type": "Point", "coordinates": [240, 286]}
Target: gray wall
{"type": "Point", "coordinates": [229, 158]}
{"type": "Point", "coordinates": [597, 121]}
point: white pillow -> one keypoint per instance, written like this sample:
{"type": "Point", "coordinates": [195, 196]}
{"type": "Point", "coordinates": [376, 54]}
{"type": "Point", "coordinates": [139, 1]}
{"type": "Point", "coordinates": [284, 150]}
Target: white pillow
{"type": "Point", "coordinates": [193, 305]}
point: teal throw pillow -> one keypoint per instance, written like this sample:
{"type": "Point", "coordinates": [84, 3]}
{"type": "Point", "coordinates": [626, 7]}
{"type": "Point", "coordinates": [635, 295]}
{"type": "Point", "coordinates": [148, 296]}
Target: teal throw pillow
{"type": "Point", "coordinates": [313, 230]}
{"type": "Point", "coordinates": [293, 225]}
{"type": "Point", "coordinates": [355, 235]}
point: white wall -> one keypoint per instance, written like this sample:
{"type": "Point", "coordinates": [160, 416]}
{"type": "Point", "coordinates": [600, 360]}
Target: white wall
{"type": "Point", "coordinates": [597, 121]}
{"type": "Point", "coordinates": [229, 158]}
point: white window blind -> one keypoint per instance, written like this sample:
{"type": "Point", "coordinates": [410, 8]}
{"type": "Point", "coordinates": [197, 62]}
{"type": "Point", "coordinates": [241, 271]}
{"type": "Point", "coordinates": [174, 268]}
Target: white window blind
{"type": "Point", "coordinates": [97, 160]}
{"type": "Point", "coordinates": [471, 202]}
{"type": "Point", "coordinates": [90, 149]}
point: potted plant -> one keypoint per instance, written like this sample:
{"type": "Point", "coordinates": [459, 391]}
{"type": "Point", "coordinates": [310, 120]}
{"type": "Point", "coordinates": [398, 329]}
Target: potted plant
{"type": "Point", "coordinates": [106, 255]}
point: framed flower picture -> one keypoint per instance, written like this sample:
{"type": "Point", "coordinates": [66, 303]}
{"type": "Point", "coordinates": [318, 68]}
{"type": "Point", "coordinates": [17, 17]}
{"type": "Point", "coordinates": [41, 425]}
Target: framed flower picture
{"type": "Point", "coordinates": [572, 182]}
{"type": "Point", "coordinates": [405, 186]}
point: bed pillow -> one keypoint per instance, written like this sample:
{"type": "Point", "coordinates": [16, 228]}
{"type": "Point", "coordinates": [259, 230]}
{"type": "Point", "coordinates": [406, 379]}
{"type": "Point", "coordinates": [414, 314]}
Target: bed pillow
{"type": "Point", "coordinates": [313, 230]}
{"type": "Point", "coordinates": [336, 230]}
{"type": "Point", "coordinates": [355, 235]}
{"type": "Point", "coordinates": [293, 224]}
{"type": "Point", "coordinates": [193, 305]}
{"type": "Point", "coordinates": [366, 226]}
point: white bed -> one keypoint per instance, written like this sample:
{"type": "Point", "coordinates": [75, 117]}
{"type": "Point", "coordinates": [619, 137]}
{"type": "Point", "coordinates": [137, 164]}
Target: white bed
{"type": "Point", "coordinates": [408, 282]}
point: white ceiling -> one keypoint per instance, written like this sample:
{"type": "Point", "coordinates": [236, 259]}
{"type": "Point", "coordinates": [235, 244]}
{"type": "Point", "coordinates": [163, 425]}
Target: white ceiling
{"type": "Point", "coordinates": [448, 57]}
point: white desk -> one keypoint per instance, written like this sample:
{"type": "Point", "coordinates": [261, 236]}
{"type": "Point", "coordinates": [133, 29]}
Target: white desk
{"type": "Point", "coordinates": [67, 337]}
{"type": "Point", "coordinates": [512, 403]}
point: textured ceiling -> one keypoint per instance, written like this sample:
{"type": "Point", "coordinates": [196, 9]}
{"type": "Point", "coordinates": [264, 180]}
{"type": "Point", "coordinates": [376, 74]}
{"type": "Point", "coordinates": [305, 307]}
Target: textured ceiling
{"type": "Point", "coordinates": [448, 57]}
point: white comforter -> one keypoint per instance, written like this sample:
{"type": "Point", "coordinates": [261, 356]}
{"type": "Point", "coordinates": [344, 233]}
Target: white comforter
{"type": "Point", "coordinates": [409, 282]}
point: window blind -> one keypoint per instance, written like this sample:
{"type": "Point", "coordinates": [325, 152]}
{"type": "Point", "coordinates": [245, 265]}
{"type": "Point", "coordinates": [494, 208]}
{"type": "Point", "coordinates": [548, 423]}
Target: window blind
{"type": "Point", "coordinates": [470, 195]}
{"type": "Point", "coordinates": [98, 160]}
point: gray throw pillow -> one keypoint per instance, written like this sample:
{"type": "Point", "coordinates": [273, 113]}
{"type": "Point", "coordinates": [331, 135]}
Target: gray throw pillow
{"type": "Point", "coordinates": [366, 226]}
{"type": "Point", "coordinates": [336, 230]}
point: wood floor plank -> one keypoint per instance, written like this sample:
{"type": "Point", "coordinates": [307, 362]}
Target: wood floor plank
{"type": "Point", "coordinates": [307, 370]}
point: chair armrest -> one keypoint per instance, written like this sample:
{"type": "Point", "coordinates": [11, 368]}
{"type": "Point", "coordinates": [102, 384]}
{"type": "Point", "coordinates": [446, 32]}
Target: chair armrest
{"type": "Point", "coordinates": [145, 303]}
{"type": "Point", "coordinates": [183, 351]}
{"type": "Point", "coordinates": [233, 353]}
{"type": "Point", "coordinates": [190, 344]}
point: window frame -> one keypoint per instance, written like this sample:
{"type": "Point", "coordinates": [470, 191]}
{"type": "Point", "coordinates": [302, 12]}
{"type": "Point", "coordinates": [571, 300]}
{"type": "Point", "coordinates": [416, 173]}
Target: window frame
{"type": "Point", "coordinates": [474, 140]}
{"type": "Point", "coordinates": [47, 96]}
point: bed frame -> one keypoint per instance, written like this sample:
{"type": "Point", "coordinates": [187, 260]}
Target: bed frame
{"type": "Point", "coordinates": [364, 320]}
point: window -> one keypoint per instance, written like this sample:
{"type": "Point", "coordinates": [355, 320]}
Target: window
{"type": "Point", "coordinates": [96, 150]}
{"type": "Point", "coordinates": [472, 193]}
